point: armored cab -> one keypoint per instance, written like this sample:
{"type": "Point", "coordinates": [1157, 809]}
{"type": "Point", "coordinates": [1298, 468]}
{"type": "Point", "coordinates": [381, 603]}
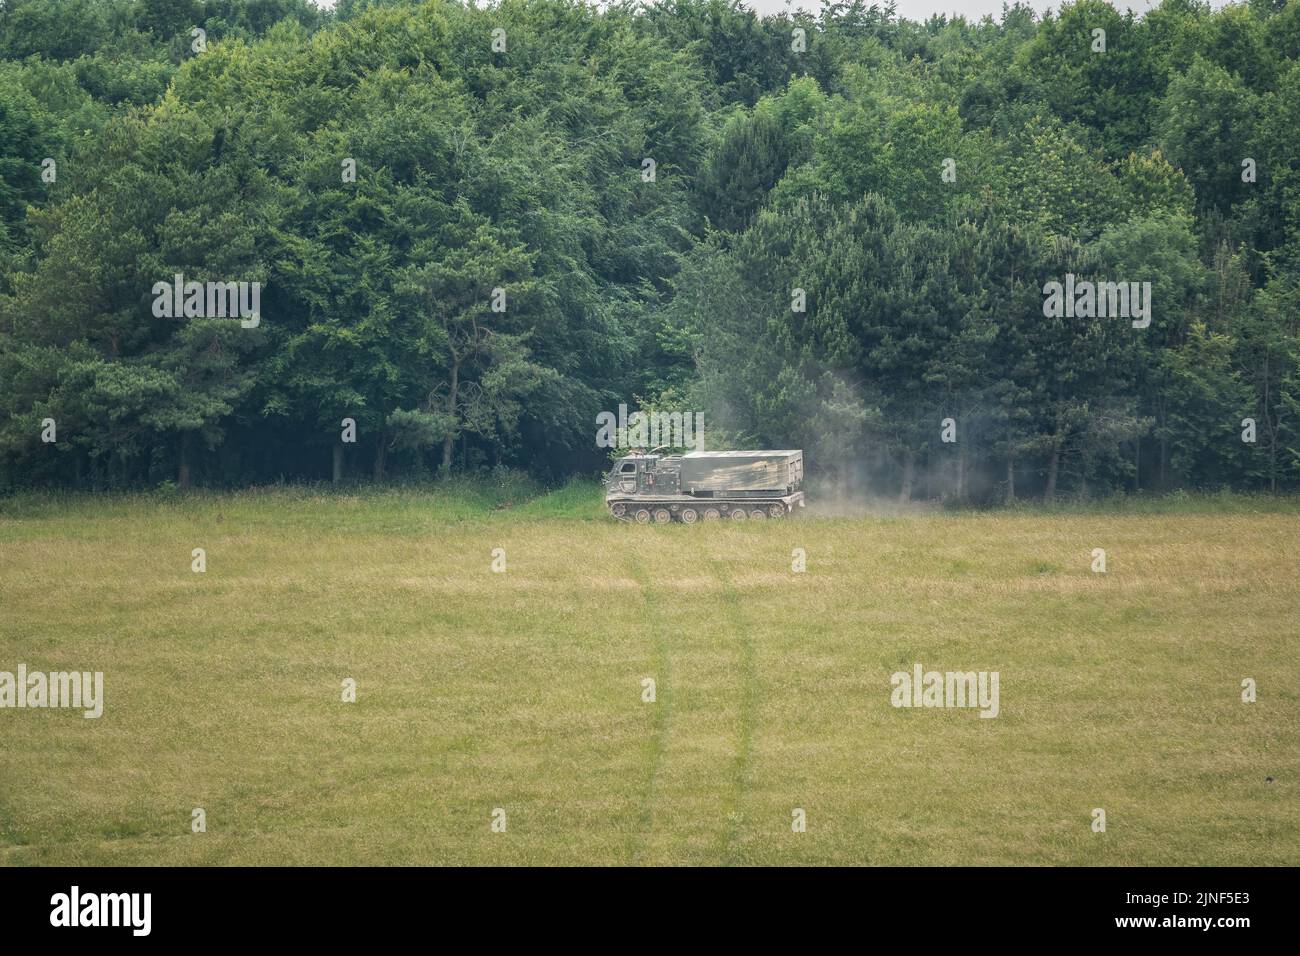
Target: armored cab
{"type": "Point", "coordinates": [737, 485]}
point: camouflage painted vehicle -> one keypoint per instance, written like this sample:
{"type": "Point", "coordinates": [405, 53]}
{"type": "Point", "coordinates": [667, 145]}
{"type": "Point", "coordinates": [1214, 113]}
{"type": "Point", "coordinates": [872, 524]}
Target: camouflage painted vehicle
{"type": "Point", "coordinates": [705, 485]}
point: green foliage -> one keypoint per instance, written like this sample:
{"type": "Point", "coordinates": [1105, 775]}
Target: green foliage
{"type": "Point", "coordinates": [502, 266]}
{"type": "Point", "coordinates": [750, 160]}
{"type": "Point", "coordinates": [1207, 127]}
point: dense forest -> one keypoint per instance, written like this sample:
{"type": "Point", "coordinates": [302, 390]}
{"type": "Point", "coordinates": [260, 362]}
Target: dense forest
{"type": "Point", "coordinates": [474, 229]}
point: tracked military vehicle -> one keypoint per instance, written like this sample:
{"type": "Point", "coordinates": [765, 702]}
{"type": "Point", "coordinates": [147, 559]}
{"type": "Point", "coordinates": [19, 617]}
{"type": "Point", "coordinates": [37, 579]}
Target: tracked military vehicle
{"type": "Point", "coordinates": [705, 485]}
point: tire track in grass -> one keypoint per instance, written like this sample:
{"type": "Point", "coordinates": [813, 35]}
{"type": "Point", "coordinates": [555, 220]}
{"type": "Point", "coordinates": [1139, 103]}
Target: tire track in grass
{"type": "Point", "coordinates": [741, 765]}
{"type": "Point", "coordinates": [11, 838]}
{"type": "Point", "coordinates": [662, 714]}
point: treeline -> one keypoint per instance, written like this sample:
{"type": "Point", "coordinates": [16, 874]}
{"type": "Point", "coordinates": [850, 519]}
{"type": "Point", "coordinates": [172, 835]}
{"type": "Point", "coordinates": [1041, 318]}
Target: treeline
{"type": "Point", "coordinates": [475, 229]}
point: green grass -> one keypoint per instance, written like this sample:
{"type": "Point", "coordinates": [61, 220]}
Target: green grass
{"type": "Point", "coordinates": [523, 690]}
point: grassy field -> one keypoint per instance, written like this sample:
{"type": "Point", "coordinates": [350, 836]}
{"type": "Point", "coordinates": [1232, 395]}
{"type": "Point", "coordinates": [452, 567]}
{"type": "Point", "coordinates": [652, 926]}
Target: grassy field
{"type": "Point", "coordinates": [523, 690]}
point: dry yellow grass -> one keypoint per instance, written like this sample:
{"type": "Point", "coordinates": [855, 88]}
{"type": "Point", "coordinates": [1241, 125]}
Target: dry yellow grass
{"type": "Point", "coordinates": [523, 690]}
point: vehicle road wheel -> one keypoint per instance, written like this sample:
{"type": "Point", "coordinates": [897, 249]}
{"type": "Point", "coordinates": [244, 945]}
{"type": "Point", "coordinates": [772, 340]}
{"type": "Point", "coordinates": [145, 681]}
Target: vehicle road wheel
{"type": "Point", "coordinates": [738, 514]}
{"type": "Point", "coordinates": [690, 516]}
{"type": "Point", "coordinates": [642, 516]}
{"type": "Point", "coordinates": [777, 511]}
{"type": "Point", "coordinates": [712, 514]}
{"type": "Point", "coordinates": [619, 510]}
{"type": "Point", "coordinates": [663, 516]}
{"type": "Point", "coordinates": [758, 514]}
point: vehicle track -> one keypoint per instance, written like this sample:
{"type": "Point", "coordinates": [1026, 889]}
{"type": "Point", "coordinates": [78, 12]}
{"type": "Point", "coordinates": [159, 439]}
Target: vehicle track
{"type": "Point", "coordinates": [748, 671]}
{"type": "Point", "coordinates": [662, 713]}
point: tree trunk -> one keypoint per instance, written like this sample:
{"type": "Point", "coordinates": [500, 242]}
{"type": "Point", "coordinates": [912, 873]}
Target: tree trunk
{"type": "Point", "coordinates": [183, 472]}
{"type": "Point", "coordinates": [337, 471]}
{"type": "Point", "coordinates": [1272, 432]}
{"type": "Point", "coordinates": [909, 472]}
{"type": "Point", "coordinates": [1053, 466]}
{"type": "Point", "coordinates": [449, 442]}
{"type": "Point", "coordinates": [961, 474]}
{"type": "Point", "coordinates": [1272, 464]}
{"type": "Point", "coordinates": [1011, 477]}
{"type": "Point", "coordinates": [381, 456]}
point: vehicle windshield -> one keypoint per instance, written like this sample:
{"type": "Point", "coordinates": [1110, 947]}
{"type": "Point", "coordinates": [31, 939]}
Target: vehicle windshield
{"type": "Point", "coordinates": [623, 468]}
